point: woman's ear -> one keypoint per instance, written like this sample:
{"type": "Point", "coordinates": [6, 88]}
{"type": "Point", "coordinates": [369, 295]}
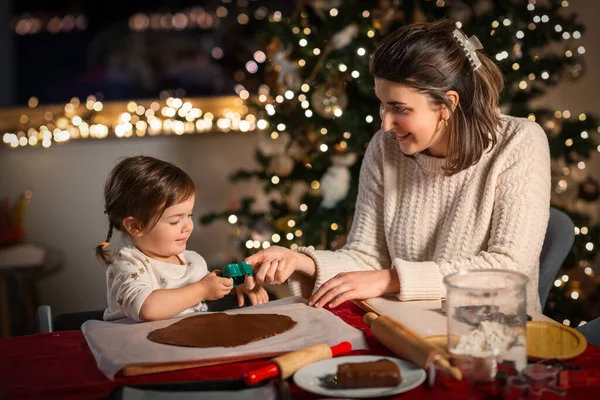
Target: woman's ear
{"type": "Point", "coordinates": [132, 227]}
{"type": "Point", "coordinates": [452, 95]}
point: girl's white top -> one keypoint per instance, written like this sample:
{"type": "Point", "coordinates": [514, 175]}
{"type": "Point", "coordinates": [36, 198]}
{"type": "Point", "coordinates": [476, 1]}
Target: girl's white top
{"type": "Point", "coordinates": [132, 276]}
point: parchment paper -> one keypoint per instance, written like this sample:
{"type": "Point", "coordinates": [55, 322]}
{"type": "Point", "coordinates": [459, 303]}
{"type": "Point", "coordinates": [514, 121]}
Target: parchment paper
{"type": "Point", "coordinates": [116, 345]}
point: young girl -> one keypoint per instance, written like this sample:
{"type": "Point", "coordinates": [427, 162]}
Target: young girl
{"type": "Point", "coordinates": [448, 184]}
{"type": "Point", "coordinates": [151, 202]}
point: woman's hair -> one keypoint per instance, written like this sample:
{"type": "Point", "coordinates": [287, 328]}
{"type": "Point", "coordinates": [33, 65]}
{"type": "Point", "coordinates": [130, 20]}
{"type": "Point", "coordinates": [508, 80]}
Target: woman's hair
{"type": "Point", "coordinates": [429, 58]}
{"type": "Point", "coordinates": [143, 188]}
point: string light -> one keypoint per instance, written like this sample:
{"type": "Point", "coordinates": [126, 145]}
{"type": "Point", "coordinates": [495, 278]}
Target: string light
{"type": "Point", "coordinates": [589, 246]}
{"type": "Point", "coordinates": [557, 283]}
{"type": "Point", "coordinates": [176, 117]}
{"type": "Point", "coordinates": [31, 25]}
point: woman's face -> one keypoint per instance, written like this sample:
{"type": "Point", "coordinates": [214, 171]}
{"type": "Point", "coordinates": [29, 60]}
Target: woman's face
{"type": "Point", "coordinates": [418, 125]}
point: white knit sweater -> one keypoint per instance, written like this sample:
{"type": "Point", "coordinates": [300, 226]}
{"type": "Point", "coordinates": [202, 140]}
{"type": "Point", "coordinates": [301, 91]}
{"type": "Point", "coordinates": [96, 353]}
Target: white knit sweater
{"type": "Point", "coordinates": [411, 217]}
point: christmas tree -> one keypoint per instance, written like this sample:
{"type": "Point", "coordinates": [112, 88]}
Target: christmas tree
{"type": "Point", "coordinates": [307, 86]}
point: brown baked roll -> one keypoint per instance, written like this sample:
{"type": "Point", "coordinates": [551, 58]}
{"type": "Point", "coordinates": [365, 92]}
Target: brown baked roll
{"type": "Point", "coordinates": [379, 373]}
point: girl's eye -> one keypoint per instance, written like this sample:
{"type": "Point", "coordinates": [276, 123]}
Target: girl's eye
{"type": "Point", "coordinates": [190, 215]}
{"type": "Point", "coordinates": [174, 223]}
{"type": "Point", "coordinates": [401, 110]}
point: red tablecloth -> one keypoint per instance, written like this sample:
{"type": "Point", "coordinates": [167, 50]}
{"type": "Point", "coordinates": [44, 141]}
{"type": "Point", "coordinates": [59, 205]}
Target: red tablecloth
{"type": "Point", "coordinates": [60, 366]}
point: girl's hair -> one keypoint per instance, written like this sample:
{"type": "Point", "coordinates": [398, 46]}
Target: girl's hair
{"type": "Point", "coordinates": [141, 187]}
{"type": "Point", "coordinates": [428, 58]}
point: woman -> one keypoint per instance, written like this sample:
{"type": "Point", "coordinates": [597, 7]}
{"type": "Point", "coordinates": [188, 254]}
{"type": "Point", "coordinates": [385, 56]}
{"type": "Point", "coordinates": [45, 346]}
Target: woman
{"type": "Point", "coordinates": [448, 184]}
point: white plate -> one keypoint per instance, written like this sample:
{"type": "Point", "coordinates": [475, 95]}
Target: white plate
{"type": "Point", "coordinates": [308, 377]}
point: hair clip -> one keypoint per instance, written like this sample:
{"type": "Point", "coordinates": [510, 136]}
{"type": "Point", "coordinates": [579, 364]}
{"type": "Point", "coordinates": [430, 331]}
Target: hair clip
{"type": "Point", "coordinates": [469, 45]}
{"type": "Point", "coordinates": [104, 245]}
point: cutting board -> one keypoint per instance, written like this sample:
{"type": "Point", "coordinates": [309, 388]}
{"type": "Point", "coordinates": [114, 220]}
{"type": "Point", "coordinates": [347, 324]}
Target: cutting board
{"type": "Point", "coordinates": [423, 317]}
{"type": "Point", "coordinates": [123, 348]}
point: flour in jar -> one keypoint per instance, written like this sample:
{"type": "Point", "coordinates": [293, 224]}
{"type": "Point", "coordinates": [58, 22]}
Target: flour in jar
{"type": "Point", "coordinates": [494, 339]}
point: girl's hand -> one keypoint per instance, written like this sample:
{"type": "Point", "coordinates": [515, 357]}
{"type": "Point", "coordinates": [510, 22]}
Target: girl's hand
{"type": "Point", "coordinates": [355, 285]}
{"type": "Point", "coordinates": [275, 265]}
{"type": "Point", "coordinates": [257, 295]}
{"type": "Point", "coordinates": [214, 287]}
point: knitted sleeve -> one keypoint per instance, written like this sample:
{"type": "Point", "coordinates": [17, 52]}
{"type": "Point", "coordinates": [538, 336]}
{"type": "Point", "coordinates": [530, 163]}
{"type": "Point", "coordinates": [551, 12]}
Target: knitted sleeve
{"type": "Point", "coordinates": [519, 220]}
{"type": "Point", "coordinates": [366, 246]}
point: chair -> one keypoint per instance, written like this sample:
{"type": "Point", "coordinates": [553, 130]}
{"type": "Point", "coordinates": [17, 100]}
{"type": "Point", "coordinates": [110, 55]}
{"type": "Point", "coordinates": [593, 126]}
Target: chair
{"type": "Point", "coordinates": [558, 241]}
{"type": "Point", "coordinates": [591, 331]}
{"type": "Point", "coordinates": [63, 322]}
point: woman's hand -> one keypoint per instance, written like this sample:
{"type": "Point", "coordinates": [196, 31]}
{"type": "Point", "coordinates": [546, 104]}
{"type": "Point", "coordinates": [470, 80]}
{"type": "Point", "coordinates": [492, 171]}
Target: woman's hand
{"type": "Point", "coordinates": [257, 294]}
{"type": "Point", "coordinates": [275, 265]}
{"type": "Point", "coordinates": [355, 285]}
{"type": "Point", "coordinates": [214, 287]}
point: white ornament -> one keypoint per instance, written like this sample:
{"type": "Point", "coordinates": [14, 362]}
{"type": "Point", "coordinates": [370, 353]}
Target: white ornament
{"type": "Point", "coordinates": [322, 6]}
{"type": "Point", "coordinates": [344, 37]}
{"type": "Point", "coordinates": [281, 165]}
{"type": "Point", "coordinates": [270, 147]}
{"type": "Point", "coordinates": [287, 70]}
{"type": "Point", "coordinates": [335, 183]}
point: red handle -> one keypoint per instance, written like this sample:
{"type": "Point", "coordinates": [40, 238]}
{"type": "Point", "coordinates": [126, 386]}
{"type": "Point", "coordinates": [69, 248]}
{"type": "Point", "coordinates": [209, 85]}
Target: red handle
{"type": "Point", "coordinates": [272, 370]}
{"type": "Point", "coordinates": [259, 375]}
{"type": "Point", "coordinates": [344, 347]}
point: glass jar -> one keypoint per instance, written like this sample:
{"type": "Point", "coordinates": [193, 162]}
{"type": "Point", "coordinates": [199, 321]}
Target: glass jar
{"type": "Point", "coordinates": [486, 312]}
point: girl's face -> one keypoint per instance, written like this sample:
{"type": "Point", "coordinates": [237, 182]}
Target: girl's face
{"type": "Point", "coordinates": [417, 125]}
{"type": "Point", "coordinates": [169, 236]}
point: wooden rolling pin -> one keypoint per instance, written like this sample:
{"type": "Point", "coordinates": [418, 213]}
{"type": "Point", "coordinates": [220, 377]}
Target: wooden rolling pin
{"type": "Point", "coordinates": [285, 365]}
{"type": "Point", "coordinates": [408, 345]}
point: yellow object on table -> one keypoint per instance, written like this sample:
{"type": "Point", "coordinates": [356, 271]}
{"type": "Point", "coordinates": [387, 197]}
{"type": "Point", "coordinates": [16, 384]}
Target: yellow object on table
{"type": "Point", "coordinates": [553, 340]}
{"type": "Point", "coordinates": [545, 339]}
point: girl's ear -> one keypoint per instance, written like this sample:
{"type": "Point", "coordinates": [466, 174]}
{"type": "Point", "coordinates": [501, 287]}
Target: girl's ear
{"type": "Point", "coordinates": [132, 227]}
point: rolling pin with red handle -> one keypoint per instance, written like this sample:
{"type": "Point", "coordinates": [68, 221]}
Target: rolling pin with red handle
{"type": "Point", "coordinates": [285, 365]}
{"type": "Point", "coordinates": [407, 344]}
